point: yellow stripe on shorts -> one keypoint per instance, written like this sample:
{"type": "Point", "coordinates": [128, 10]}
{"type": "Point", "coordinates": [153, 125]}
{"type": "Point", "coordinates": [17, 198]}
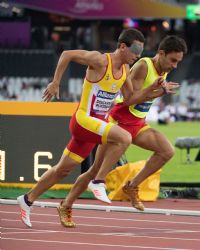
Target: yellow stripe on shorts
{"type": "Point", "coordinates": [106, 131]}
{"type": "Point", "coordinates": [73, 156]}
{"type": "Point", "coordinates": [143, 129]}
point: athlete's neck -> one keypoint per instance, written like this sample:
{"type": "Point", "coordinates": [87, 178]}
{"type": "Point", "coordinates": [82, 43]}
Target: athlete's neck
{"type": "Point", "coordinates": [157, 65]}
{"type": "Point", "coordinates": [116, 60]}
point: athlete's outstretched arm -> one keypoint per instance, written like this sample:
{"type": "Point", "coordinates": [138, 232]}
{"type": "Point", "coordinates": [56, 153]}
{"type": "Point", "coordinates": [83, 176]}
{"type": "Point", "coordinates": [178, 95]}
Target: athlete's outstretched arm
{"type": "Point", "coordinates": [93, 59]}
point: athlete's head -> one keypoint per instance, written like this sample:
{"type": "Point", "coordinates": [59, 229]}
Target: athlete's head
{"type": "Point", "coordinates": [171, 51]}
{"type": "Point", "coordinates": [130, 44]}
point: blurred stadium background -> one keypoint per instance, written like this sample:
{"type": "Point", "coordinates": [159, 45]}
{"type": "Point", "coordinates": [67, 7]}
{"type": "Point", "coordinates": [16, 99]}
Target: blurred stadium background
{"type": "Point", "coordinates": [32, 36]}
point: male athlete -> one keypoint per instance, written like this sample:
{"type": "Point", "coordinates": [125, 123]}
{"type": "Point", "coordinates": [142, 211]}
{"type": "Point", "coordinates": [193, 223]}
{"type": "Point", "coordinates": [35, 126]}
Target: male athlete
{"type": "Point", "coordinates": [132, 118]}
{"type": "Point", "coordinates": [105, 76]}
{"type": "Point", "coordinates": [102, 150]}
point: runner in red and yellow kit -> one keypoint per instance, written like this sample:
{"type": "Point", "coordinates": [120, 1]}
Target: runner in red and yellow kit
{"type": "Point", "coordinates": [106, 74]}
{"type": "Point", "coordinates": [103, 150]}
{"type": "Point", "coordinates": [89, 125]}
{"type": "Point", "coordinates": [132, 118]}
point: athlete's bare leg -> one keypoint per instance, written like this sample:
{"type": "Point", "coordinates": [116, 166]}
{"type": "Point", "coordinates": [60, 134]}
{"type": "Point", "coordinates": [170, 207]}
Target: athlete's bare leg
{"type": "Point", "coordinates": [114, 151]}
{"type": "Point", "coordinates": [152, 140]}
{"type": "Point", "coordinates": [52, 176]}
{"type": "Point", "coordinates": [106, 157]}
{"type": "Point", "coordinates": [82, 181]}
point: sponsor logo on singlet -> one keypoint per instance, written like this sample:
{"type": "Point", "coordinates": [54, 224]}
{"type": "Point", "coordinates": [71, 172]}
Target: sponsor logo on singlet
{"type": "Point", "coordinates": [103, 101]}
{"type": "Point", "coordinates": [143, 107]}
{"type": "Point", "coordinates": [106, 95]}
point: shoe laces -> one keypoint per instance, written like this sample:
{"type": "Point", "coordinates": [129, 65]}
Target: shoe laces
{"type": "Point", "coordinates": [66, 213]}
{"type": "Point", "coordinates": [69, 213]}
{"type": "Point", "coordinates": [134, 191]}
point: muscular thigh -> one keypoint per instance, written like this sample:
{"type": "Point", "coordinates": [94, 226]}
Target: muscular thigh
{"type": "Point", "coordinates": [119, 134]}
{"type": "Point", "coordinates": [90, 129]}
{"type": "Point", "coordinates": [66, 163]}
{"type": "Point", "coordinates": [152, 140]}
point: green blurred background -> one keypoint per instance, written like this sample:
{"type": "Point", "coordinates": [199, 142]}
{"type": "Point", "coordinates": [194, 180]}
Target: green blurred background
{"type": "Point", "coordinates": [176, 170]}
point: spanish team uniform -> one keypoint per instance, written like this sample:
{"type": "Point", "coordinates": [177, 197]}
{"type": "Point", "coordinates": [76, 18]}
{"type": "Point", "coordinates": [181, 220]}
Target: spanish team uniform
{"type": "Point", "coordinates": [133, 118]}
{"type": "Point", "coordinates": [89, 125]}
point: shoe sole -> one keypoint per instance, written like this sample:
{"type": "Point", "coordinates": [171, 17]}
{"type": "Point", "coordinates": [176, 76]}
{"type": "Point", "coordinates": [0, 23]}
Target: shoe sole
{"type": "Point", "coordinates": [107, 202]}
{"type": "Point", "coordinates": [26, 224]}
{"type": "Point", "coordinates": [104, 202]}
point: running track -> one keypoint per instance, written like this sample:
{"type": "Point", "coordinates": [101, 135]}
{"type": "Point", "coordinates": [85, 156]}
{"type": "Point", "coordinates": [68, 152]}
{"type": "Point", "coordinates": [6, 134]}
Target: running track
{"type": "Point", "coordinates": [102, 230]}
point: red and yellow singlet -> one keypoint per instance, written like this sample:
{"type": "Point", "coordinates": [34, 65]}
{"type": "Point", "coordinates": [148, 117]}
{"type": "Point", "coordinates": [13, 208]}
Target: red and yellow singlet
{"type": "Point", "coordinates": [89, 125]}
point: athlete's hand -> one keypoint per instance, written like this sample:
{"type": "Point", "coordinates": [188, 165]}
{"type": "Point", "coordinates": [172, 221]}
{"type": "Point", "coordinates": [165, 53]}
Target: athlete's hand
{"type": "Point", "coordinates": [51, 91]}
{"type": "Point", "coordinates": [169, 87]}
{"type": "Point", "coordinates": [158, 83]}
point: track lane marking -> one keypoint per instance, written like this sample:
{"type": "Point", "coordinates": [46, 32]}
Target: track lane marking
{"type": "Point", "coordinates": [143, 235]}
{"type": "Point", "coordinates": [93, 244]}
{"type": "Point", "coordinates": [104, 226]}
{"type": "Point", "coordinates": [113, 218]}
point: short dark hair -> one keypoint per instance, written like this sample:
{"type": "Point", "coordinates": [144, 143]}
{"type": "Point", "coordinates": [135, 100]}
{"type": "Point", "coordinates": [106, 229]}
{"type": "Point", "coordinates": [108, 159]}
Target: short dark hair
{"type": "Point", "coordinates": [127, 36]}
{"type": "Point", "coordinates": [173, 44]}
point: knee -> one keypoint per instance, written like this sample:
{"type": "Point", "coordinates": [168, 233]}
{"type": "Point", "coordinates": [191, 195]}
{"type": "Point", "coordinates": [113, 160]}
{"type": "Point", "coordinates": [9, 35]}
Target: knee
{"type": "Point", "coordinates": [171, 152]}
{"type": "Point", "coordinates": [168, 153]}
{"type": "Point", "coordinates": [126, 139]}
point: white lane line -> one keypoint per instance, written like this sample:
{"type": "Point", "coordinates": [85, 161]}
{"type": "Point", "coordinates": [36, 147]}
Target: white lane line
{"type": "Point", "coordinates": [113, 218]}
{"type": "Point", "coordinates": [133, 235]}
{"type": "Point", "coordinates": [94, 225]}
{"type": "Point", "coordinates": [28, 230]}
{"type": "Point", "coordinates": [106, 226]}
{"type": "Point", "coordinates": [93, 244]}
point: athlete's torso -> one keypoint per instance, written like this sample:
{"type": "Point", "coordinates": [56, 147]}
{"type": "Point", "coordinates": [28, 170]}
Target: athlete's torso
{"type": "Point", "coordinates": [136, 113]}
{"type": "Point", "coordinates": [98, 97]}
{"type": "Point", "coordinates": [141, 110]}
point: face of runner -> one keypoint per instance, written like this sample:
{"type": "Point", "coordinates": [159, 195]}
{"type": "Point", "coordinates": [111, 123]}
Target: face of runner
{"type": "Point", "coordinates": [133, 52]}
{"type": "Point", "coordinates": [169, 61]}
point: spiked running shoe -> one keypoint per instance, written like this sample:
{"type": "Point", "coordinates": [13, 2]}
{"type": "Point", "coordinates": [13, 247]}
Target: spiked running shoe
{"type": "Point", "coordinates": [65, 216]}
{"type": "Point", "coordinates": [99, 191]}
{"type": "Point", "coordinates": [25, 211]}
{"type": "Point", "coordinates": [132, 194]}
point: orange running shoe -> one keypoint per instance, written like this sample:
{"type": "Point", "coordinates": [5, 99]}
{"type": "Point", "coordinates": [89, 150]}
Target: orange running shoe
{"type": "Point", "coordinates": [132, 194]}
{"type": "Point", "coordinates": [65, 216]}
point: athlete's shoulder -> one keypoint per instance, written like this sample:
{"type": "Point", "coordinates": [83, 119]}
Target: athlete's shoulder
{"type": "Point", "coordinates": [99, 58]}
{"type": "Point", "coordinates": [145, 61]}
{"type": "Point", "coordinates": [141, 64]}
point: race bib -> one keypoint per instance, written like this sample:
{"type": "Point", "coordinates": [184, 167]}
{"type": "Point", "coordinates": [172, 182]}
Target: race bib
{"type": "Point", "coordinates": [143, 107]}
{"type": "Point", "coordinates": [103, 101]}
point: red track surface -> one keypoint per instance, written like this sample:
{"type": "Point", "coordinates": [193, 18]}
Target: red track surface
{"type": "Point", "coordinates": [103, 230]}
